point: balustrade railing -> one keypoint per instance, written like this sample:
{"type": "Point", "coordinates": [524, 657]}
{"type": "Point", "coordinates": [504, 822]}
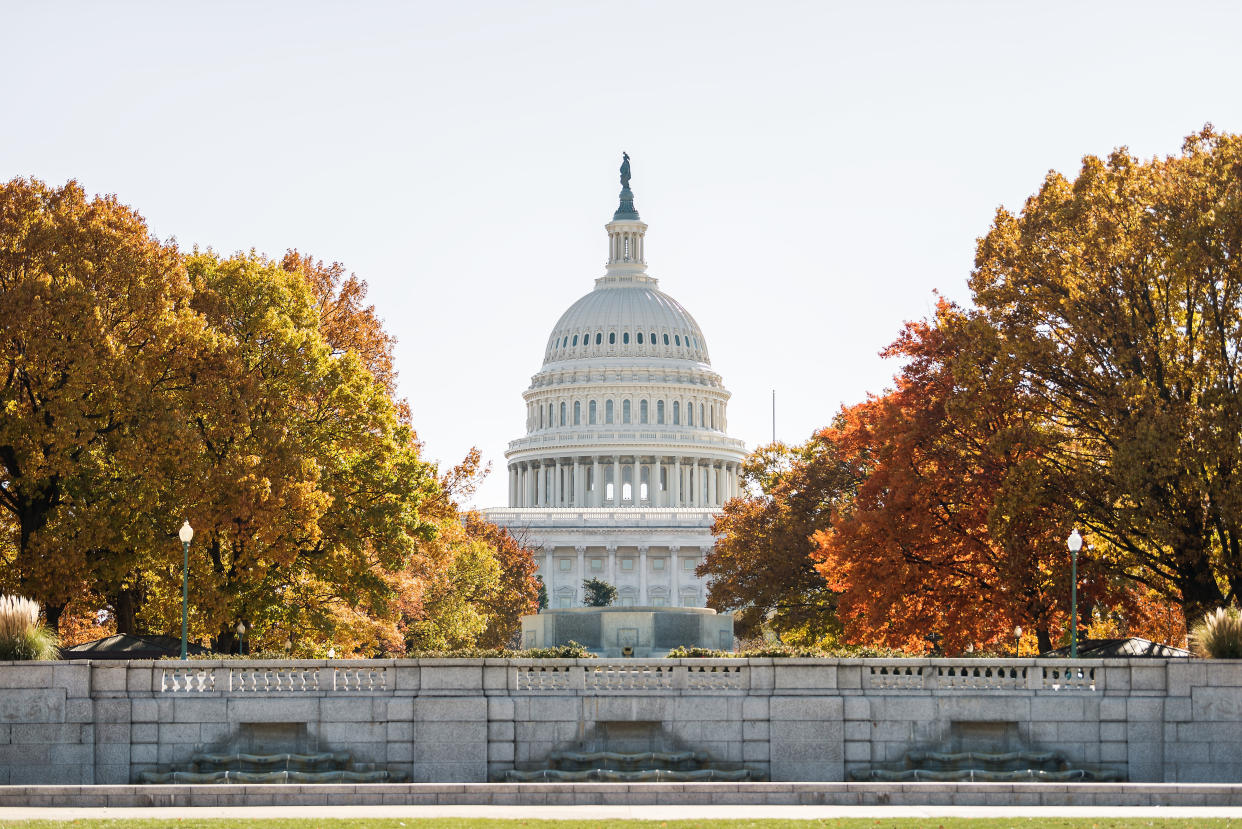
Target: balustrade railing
{"type": "Point", "coordinates": [980, 675]}
{"type": "Point", "coordinates": [273, 679]}
{"type": "Point", "coordinates": [608, 676]}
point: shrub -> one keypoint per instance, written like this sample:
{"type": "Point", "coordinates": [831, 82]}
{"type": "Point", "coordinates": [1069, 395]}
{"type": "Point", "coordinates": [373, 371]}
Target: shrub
{"type": "Point", "coordinates": [22, 635]}
{"type": "Point", "coordinates": [1219, 634]}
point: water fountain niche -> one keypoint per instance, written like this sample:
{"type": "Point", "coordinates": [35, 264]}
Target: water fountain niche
{"type": "Point", "coordinates": [986, 752]}
{"type": "Point", "coordinates": [629, 752]}
{"type": "Point", "coordinates": [271, 753]}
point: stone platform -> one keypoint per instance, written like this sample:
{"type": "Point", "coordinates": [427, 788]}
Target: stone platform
{"type": "Point", "coordinates": [630, 794]}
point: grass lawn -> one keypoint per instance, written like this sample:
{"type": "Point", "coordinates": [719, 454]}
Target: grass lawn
{"type": "Point", "coordinates": [483, 823]}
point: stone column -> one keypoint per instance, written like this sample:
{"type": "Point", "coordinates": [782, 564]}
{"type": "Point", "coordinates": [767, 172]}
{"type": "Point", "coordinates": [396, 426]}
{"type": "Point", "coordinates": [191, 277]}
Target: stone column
{"type": "Point", "coordinates": [674, 578]}
{"type": "Point", "coordinates": [659, 498]}
{"type": "Point", "coordinates": [578, 490]}
{"type": "Point", "coordinates": [557, 490]}
{"type": "Point", "coordinates": [528, 488]}
{"type": "Point", "coordinates": [711, 484]}
{"type": "Point", "coordinates": [616, 480]}
{"type": "Point", "coordinates": [549, 574]}
{"type": "Point", "coordinates": [581, 575]}
{"type": "Point", "coordinates": [540, 485]}
{"type": "Point", "coordinates": [612, 564]}
{"type": "Point", "coordinates": [674, 481]}
{"type": "Point", "coordinates": [597, 494]}
{"type": "Point", "coordinates": [642, 573]}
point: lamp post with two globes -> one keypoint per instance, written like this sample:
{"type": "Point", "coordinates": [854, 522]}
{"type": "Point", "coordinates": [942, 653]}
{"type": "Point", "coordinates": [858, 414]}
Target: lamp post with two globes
{"type": "Point", "coordinates": [1074, 542]}
{"type": "Point", "coordinates": [185, 534]}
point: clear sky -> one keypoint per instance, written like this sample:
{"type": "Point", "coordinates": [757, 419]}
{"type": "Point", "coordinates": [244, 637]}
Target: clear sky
{"type": "Point", "coordinates": [810, 172]}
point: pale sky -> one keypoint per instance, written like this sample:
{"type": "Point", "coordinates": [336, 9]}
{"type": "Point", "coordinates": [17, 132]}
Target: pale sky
{"type": "Point", "coordinates": [810, 172]}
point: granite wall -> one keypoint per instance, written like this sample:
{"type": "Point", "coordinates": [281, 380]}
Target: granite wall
{"type": "Point", "coordinates": [470, 720]}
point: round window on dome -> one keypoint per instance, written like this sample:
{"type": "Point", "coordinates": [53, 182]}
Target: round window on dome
{"type": "Point", "coordinates": [599, 338]}
{"type": "Point", "coordinates": [625, 338]}
{"type": "Point", "coordinates": [653, 339]}
{"type": "Point", "coordinates": [640, 338]}
{"type": "Point", "coordinates": [666, 339]}
{"type": "Point", "coordinates": [575, 340]}
{"type": "Point", "coordinates": [612, 338]}
{"type": "Point", "coordinates": [677, 339]}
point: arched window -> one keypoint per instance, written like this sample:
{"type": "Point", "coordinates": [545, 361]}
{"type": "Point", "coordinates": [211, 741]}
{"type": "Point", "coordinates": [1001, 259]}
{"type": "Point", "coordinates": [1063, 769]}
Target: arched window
{"type": "Point", "coordinates": [689, 414]}
{"type": "Point", "coordinates": [577, 412]}
{"type": "Point", "coordinates": [666, 339]}
{"type": "Point", "coordinates": [563, 414]}
{"type": "Point", "coordinates": [591, 414]}
{"type": "Point", "coordinates": [575, 340]}
{"type": "Point", "coordinates": [676, 413]}
{"type": "Point", "coordinates": [625, 338]}
{"type": "Point", "coordinates": [612, 338]}
{"type": "Point", "coordinates": [677, 339]}
{"type": "Point", "coordinates": [625, 411]}
{"type": "Point", "coordinates": [608, 412]}
{"type": "Point", "coordinates": [640, 338]}
{"type": "Point", "coordinates": [551, 415]}
{"type": "Point", "coordinates": [660, 411]}
{"type": "Point", "coordinates": [642, 412]}
{"type": "Point", "coordinates": [599, 338]}
{"type": "Point", "coordinates": [627, 492]}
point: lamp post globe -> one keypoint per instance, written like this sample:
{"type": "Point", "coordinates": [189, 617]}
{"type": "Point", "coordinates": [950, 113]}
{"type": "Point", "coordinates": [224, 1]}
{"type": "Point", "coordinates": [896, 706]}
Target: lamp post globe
{"type": "Point", "coordinates": [186, 534]}
{"type": "Point", "coordinates": [1017, 640]}
{"type": "Point", "coordinates": [1074, 542]}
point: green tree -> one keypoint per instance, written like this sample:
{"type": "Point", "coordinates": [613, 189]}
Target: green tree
{"type": "Point", "coordinates": [598, 593]}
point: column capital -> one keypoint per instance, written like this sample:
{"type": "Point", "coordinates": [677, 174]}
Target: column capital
{"type": "Point", "coordinates": [643, 548]}
{"type": "Point", "coordinates": [580, 549]}
{"type": "Point", "coordinates": [611, 549]}
{"type": "Point", "coordinates": [549, 549]}
{"type": "Point", "coordinates": [674, 549]}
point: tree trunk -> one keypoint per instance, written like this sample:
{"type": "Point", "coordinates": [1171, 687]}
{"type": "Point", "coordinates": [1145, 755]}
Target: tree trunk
{"type": "Point", "coordinates": [125, 605]}
{"type": "Point", "coordinates": [1045, 640]}
{"type": "Point", "coordinates": [53, 612]}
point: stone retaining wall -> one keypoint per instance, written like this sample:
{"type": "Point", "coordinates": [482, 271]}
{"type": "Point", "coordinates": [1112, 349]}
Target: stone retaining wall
{"type": "Point", "coordinates": [470, 720]}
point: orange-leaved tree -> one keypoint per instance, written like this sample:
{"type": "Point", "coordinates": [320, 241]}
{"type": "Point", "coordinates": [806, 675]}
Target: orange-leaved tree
{"type": "Point", "coordinates": [760, 566]}
{"type": "Point", "coordinates": [958, 526]}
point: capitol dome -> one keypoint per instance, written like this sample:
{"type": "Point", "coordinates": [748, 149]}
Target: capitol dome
{"type": "Point", "coordinates": [627, 317]}
{"type": "Point", "coordinates": [626, 462]}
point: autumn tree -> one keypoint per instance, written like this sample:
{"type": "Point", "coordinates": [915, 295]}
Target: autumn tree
{"type": "Point", "coordinates": [304, 485]}
{"type": "Point", "coordinates": [956, 527]}
{"type": "Point", "coordinates": [518, 590]}
{"type": "Point", "coordinates": [98, 341]}
{"type": "Point", "coordinates": [1120, 296]}
{"type": "Point", "coordinates": [761, 565]}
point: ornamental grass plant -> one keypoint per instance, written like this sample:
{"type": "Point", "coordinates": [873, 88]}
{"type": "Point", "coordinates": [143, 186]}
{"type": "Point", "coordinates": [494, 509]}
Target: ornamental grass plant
{"type": "Point", "coordinates": [22, 635]}
{"type": "Point", "coordinates": [1219, 634]}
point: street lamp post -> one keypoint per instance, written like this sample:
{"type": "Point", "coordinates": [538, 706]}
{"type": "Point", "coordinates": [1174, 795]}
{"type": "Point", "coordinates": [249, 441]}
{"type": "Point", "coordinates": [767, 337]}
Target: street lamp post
{"type": "Point", "coordinates": [1017, 640]}
{"type": "Point", "coordinates": [185, 534]}
{"type": "Point", "coordinates": [1074, 542]}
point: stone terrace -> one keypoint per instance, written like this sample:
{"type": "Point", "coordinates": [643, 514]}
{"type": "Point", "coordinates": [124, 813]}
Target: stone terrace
{"type": "Point", "coordinates": [467, 721]}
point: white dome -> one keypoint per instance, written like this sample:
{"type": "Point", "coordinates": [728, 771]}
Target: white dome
{"type": "Point", "coordinates": [626, 317]}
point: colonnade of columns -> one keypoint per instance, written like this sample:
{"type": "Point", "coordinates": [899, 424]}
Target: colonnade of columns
{"type": "Point", "coordinates": [604, 481]}
{"type": "Point", "coordinates": [640, 584]}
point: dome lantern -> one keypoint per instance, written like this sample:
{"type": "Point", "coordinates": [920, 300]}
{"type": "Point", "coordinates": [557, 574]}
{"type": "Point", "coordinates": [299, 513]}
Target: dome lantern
{"type": "Point", "coordinates": [626, 232]}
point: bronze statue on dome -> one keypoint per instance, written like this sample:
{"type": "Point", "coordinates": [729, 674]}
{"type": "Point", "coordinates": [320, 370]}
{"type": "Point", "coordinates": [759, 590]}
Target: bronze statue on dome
{"type": "Point", "coordinates": [625, 171]}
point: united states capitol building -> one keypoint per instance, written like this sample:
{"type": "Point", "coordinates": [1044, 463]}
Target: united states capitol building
{"type": "Point", "coordinates": [626, 460]}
